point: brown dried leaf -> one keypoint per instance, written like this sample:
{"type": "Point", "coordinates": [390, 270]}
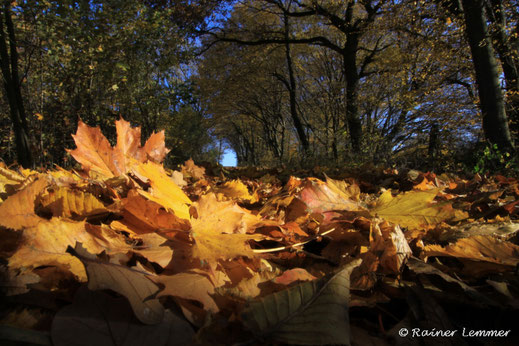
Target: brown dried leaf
{"type": "Point", "coordinates": [144, 216]}
{"type": "Point", "coordinates": [188, 285]}
{"type": "Point", "coordinates": [134, 285]}
{"type": "Point", "coordinates": [480, 249]}
{"type": "Point", "coordinates": [189, 169]}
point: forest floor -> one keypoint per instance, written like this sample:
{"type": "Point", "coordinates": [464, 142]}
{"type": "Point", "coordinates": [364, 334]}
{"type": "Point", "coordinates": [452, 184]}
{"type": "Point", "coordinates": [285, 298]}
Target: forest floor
{"type": "Point", "coordinates": [126, 252]}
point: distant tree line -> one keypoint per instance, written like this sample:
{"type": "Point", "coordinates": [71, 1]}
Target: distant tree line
{"type": "Point", "coordinates": [277, 81]}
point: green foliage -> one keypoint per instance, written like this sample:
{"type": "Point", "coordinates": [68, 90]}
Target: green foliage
{"type": "Point", "coordinates": [492, 160]}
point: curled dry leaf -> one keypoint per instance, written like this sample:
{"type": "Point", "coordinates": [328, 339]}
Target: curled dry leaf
{"type": "Point", "coordinates": [133, 284]}
{"type": "Point", "coordinates": [72, 203]}
{"type": "Point", "coordinates": [389, 241]}
{"type": "Point", "coordinates": [498, 254]}
{"type": "Point", "coordinates": [178, 178]}
{"type": "Point", "coordinates": [9, 181]}
{"type": "Point", "coordinates": [17, 211]}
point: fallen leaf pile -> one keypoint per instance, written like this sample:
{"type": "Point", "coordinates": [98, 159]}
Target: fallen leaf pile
{"type": "Point", "coordinates": [126, 252]}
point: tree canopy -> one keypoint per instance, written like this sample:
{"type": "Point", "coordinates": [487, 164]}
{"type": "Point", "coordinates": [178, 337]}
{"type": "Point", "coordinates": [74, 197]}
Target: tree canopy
{"type": "Point", "coordinates": [276, 81]}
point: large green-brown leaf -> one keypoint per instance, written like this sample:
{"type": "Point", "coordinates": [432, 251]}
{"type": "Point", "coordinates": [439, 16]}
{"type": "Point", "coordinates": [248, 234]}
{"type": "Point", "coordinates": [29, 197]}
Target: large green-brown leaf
{"type": "Point", "coordinates": [311, 313]}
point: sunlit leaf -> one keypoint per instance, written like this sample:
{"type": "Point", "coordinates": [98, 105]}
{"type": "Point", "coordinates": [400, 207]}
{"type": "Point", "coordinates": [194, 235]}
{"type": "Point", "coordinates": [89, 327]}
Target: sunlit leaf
{"type": "Point", "coordinates": [164, 191]}
{"type": "Point", "coordinates": [414, 209]}
{"type": "Point", "coordinates": [17, 211]}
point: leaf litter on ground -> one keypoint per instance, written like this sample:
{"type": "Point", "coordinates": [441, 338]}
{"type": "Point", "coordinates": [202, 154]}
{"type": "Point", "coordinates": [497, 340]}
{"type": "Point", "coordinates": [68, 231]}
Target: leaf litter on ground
{"type": "Point", "coordinates": [123, 251]}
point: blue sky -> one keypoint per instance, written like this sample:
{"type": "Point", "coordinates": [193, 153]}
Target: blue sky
{"type": "Point", "coordinates": [229, 158]}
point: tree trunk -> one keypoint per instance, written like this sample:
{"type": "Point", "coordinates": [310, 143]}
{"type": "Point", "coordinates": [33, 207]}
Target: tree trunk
{"type": "Point", "coordinates": [12, 88]}
{"type": "Point", "coordinates": [352, 82]}
{"type": "Point", "coordinates": [434, 144]}
{"type": "Point", "coordinates": [495, 122]}
{"type": "Point", "coordinates": [292, 93]}
{"type": "Point", "coordinates": [509, 57]}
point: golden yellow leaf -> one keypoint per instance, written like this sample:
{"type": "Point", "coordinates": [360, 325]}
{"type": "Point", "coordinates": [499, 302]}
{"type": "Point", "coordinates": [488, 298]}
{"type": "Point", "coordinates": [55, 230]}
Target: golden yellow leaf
{"type": "Point", "coordinates": [345, 190]}
{"type": "Point", "coordinates": [414, 209]}
{"type": "Point", "coordinates": [72, 203]}
{"type": "Point", "coordinates": [235, 189]}
{"type": "Point", "coordinates": [46, 243]}
{"type": "Point", "coordinates": [9, 180]}
{"type": "Point", "coordinates": [152, 249]}
{"type": "Point", "coordinates": [128, 142]}
{"type": "Point", "coordinates": [17, 211]}
{"type": "Point", "coordinates": [219, 230]}
{"type": "Point", "coordinates": [95, 153]}
{"type": "Point", "coordinates": [164, 191]}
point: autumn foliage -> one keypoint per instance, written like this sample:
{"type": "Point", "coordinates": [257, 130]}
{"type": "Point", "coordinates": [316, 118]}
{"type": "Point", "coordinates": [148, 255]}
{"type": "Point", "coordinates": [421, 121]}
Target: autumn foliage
{"type": "Point", "coordinates": [124, 251]}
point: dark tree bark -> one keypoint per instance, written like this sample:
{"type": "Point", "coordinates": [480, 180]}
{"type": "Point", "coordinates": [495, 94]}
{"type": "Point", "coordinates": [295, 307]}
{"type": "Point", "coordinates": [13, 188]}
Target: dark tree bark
{"type": "Point", "coordinates": [292, 91]}
{"type": "Point", "coordinates": [434, 145]}
{"type": "Point", "coordinates": [352, 85]}
{"type": "Point", "coordinates": [507, 47]}
{"type": "Point", "coordinates": [12, 87]}
{"type": "Point", "coordinates": [495, 121]}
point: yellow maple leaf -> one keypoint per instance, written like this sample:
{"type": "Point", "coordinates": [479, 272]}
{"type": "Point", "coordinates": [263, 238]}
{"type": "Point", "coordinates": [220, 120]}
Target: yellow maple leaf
{"type": "Point", "coordinates": [415, 209]}
{"type": "Point", "coordinates": [220, 230]}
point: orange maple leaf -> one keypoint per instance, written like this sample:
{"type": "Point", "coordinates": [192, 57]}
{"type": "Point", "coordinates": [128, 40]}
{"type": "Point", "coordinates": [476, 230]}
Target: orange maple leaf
{"type": "Point", "coordinates": [95, 153]}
